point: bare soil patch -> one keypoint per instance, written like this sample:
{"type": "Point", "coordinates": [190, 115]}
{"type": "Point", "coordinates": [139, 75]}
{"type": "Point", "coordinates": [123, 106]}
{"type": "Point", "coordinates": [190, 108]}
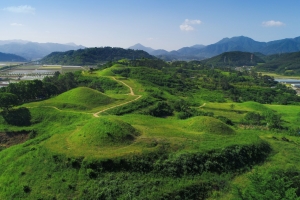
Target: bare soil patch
{"type": "Point", "coordinates": [8, 139]}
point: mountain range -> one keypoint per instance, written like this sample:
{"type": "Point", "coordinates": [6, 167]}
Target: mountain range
{"type": "Point", "coordinates": [34, 50]}
{"type": "Point", "coordinates": [7, 57]}
{"type": "Point", "coordinates": [240, 43]}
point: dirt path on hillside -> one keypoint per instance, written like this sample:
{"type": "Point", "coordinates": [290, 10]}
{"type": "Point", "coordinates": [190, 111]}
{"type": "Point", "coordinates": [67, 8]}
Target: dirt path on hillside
{"type": "Point", "coordinates": [202, 105]}
{"type": "Point", "coordinates": [131, 93]}
{"type": "Point", "coordinates": [56, 108]}
{"type": "Point", "coordinates": [131, 90]}
{"type": "Point", "coordinates": [97, 113]}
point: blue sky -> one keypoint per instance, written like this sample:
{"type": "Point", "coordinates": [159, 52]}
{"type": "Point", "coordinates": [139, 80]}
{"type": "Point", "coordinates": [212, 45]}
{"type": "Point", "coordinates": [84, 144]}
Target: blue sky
{"type": "Point", "coordinates": [160, 24]}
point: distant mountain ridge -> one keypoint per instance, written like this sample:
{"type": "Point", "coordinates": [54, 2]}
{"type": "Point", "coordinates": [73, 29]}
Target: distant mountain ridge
{"type": "Point", "coordinates": [185, 53]}
{"type": "Point", "coordinates": [93, 56]}
{"type": "Point", "coordinates": [138, 46]}
{"type": "Point", "coordinates": [34, 50]}
{"type": "Point", "coordinates": [7, 57]}
{"type": "Point", "coordinates": [246, 44]}
{"type": "Point", "coordinates": [239, 43]}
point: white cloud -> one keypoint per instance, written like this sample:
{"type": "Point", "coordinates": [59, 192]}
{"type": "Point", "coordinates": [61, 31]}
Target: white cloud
{"type": "Point", "coordinates": [16, 24]}
{"type": "Point", "coordinates": [186, 25]}
{"type": "Point", "coordinates": [21, 9]}
{"type": "Point", "coordinates": [272, 23]}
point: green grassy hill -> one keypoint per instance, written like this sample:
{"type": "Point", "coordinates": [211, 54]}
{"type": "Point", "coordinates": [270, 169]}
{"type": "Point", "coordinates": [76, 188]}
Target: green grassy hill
{"type": "Point", "coordinates": [170, 133]}
{"type": "Point", "coordinates": [103, 132]}
{"type": "Point", "coordinates": [81, 98]}
{"type": "Point", "coordinates": [209, 125]}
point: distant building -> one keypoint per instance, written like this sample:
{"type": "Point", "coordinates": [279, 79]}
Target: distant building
{"type": "Point", "coordinates": [4, 84]}
{"type": "Point", "coordinates": [244, 68]}
{"type": "Point", "coordinates": [295, 85]}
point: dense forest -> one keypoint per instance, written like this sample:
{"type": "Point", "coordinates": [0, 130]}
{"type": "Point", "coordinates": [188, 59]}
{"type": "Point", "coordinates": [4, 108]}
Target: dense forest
{"type": "Point", "coordinates": [287, 64]}
{"type": "Point", "coordinates": [234, 59]}
{"type": "Point", "coordinates": [93, 56]}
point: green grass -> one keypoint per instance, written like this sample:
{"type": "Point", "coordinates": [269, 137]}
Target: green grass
{"type": "Point", "coordinates": [108, 71]}
{"type": "Point", "coordinates": [54, 164]}
{"type": "Point", "coordinates": [243, 107]}
{"type": "Point", "coordinates": [104, 131]}
{"type": "Point", "coordinates": [209, 125]}
{"type": "Point", "coordinates": [80, 99]}
{"type": "Point", "coordinates": [290, 114]}
{"type": "Point", "coordinates": [279, 75]}
{"type": "Point", "coordinates": [145, 133]}
{"type": "Point", "coordinates": [285, 156]}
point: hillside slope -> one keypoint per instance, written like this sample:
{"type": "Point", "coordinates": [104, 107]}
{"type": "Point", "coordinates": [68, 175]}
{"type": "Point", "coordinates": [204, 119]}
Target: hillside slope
{"type": "Point", "coordinates": [6, 57]}
{"type": "Point", "coordinates": [288, 63]}
{"type": "Point", "coordinates": [234, 58]}
{"type": "Point", "coordinates": [92, 56]}
{"type": "Point", "coordinates": [81, 98]}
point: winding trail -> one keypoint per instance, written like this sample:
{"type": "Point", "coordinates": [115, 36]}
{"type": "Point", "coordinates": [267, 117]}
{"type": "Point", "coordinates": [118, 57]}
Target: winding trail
{"type": "Point", "coordinates": [101, 111]}
{"type": "Point", "coordinates": [202, 105]}
{"type": "Point", "coordinates": [131, 93]}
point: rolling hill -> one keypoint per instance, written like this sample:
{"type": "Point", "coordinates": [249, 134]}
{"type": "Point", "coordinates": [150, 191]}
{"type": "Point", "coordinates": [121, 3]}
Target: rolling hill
{"type": "Point", "coordinates": [81, 98]}
{"type": "Point", "coordinates": [93, 56]}
{"type": "Point", "coordinates": [185, 131]}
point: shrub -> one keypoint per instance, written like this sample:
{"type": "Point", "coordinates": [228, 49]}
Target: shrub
{"type": "Point", "coordinates": [252, 118]}
{"type": "Point", "coordinates": [225, 120]}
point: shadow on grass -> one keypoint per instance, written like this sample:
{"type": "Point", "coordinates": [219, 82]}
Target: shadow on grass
{"type": "Point", "coordinates": [17, 117]}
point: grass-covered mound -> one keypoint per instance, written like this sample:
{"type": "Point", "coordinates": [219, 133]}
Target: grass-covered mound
{"type": "Point", "coordinates": [255, 106]}
{"type": "Point", "coordinates": [105, 131]}
{"type": "Point", "coordinates": [81, 98]}
{"type": "Point", "coordinates": [209, 125]}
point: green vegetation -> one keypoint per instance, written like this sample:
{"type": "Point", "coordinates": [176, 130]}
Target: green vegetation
{"type": "Point", "coordinates": [285, 64]}
{"type": "Point", "coordinates": [93, 56]}
{"type": "Point", "coordinates": [146, 129]}
{"type": "Point", "coordinates": [209, 125]}
{"type": "Point", "coordinates": [104, 132]}
{"type": "Point", "coordinates": [234, 59]}
{"type": "Point", "coordinates": [8, 100]}
{"type": "Point", "coordinates": [80, 98]}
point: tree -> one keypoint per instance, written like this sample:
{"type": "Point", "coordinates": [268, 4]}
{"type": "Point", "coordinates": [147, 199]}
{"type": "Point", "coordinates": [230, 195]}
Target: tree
{"type": "Point", "coordinates": [274, 121]}
{"type": "Point", "coordinates": [8, 100]}
{"type": "Point", "coordinates": [161, 109]}
{"type": "Point", "coordinates": [253, 118]}
{"type": "Point", "coordinates": [274, 185]}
